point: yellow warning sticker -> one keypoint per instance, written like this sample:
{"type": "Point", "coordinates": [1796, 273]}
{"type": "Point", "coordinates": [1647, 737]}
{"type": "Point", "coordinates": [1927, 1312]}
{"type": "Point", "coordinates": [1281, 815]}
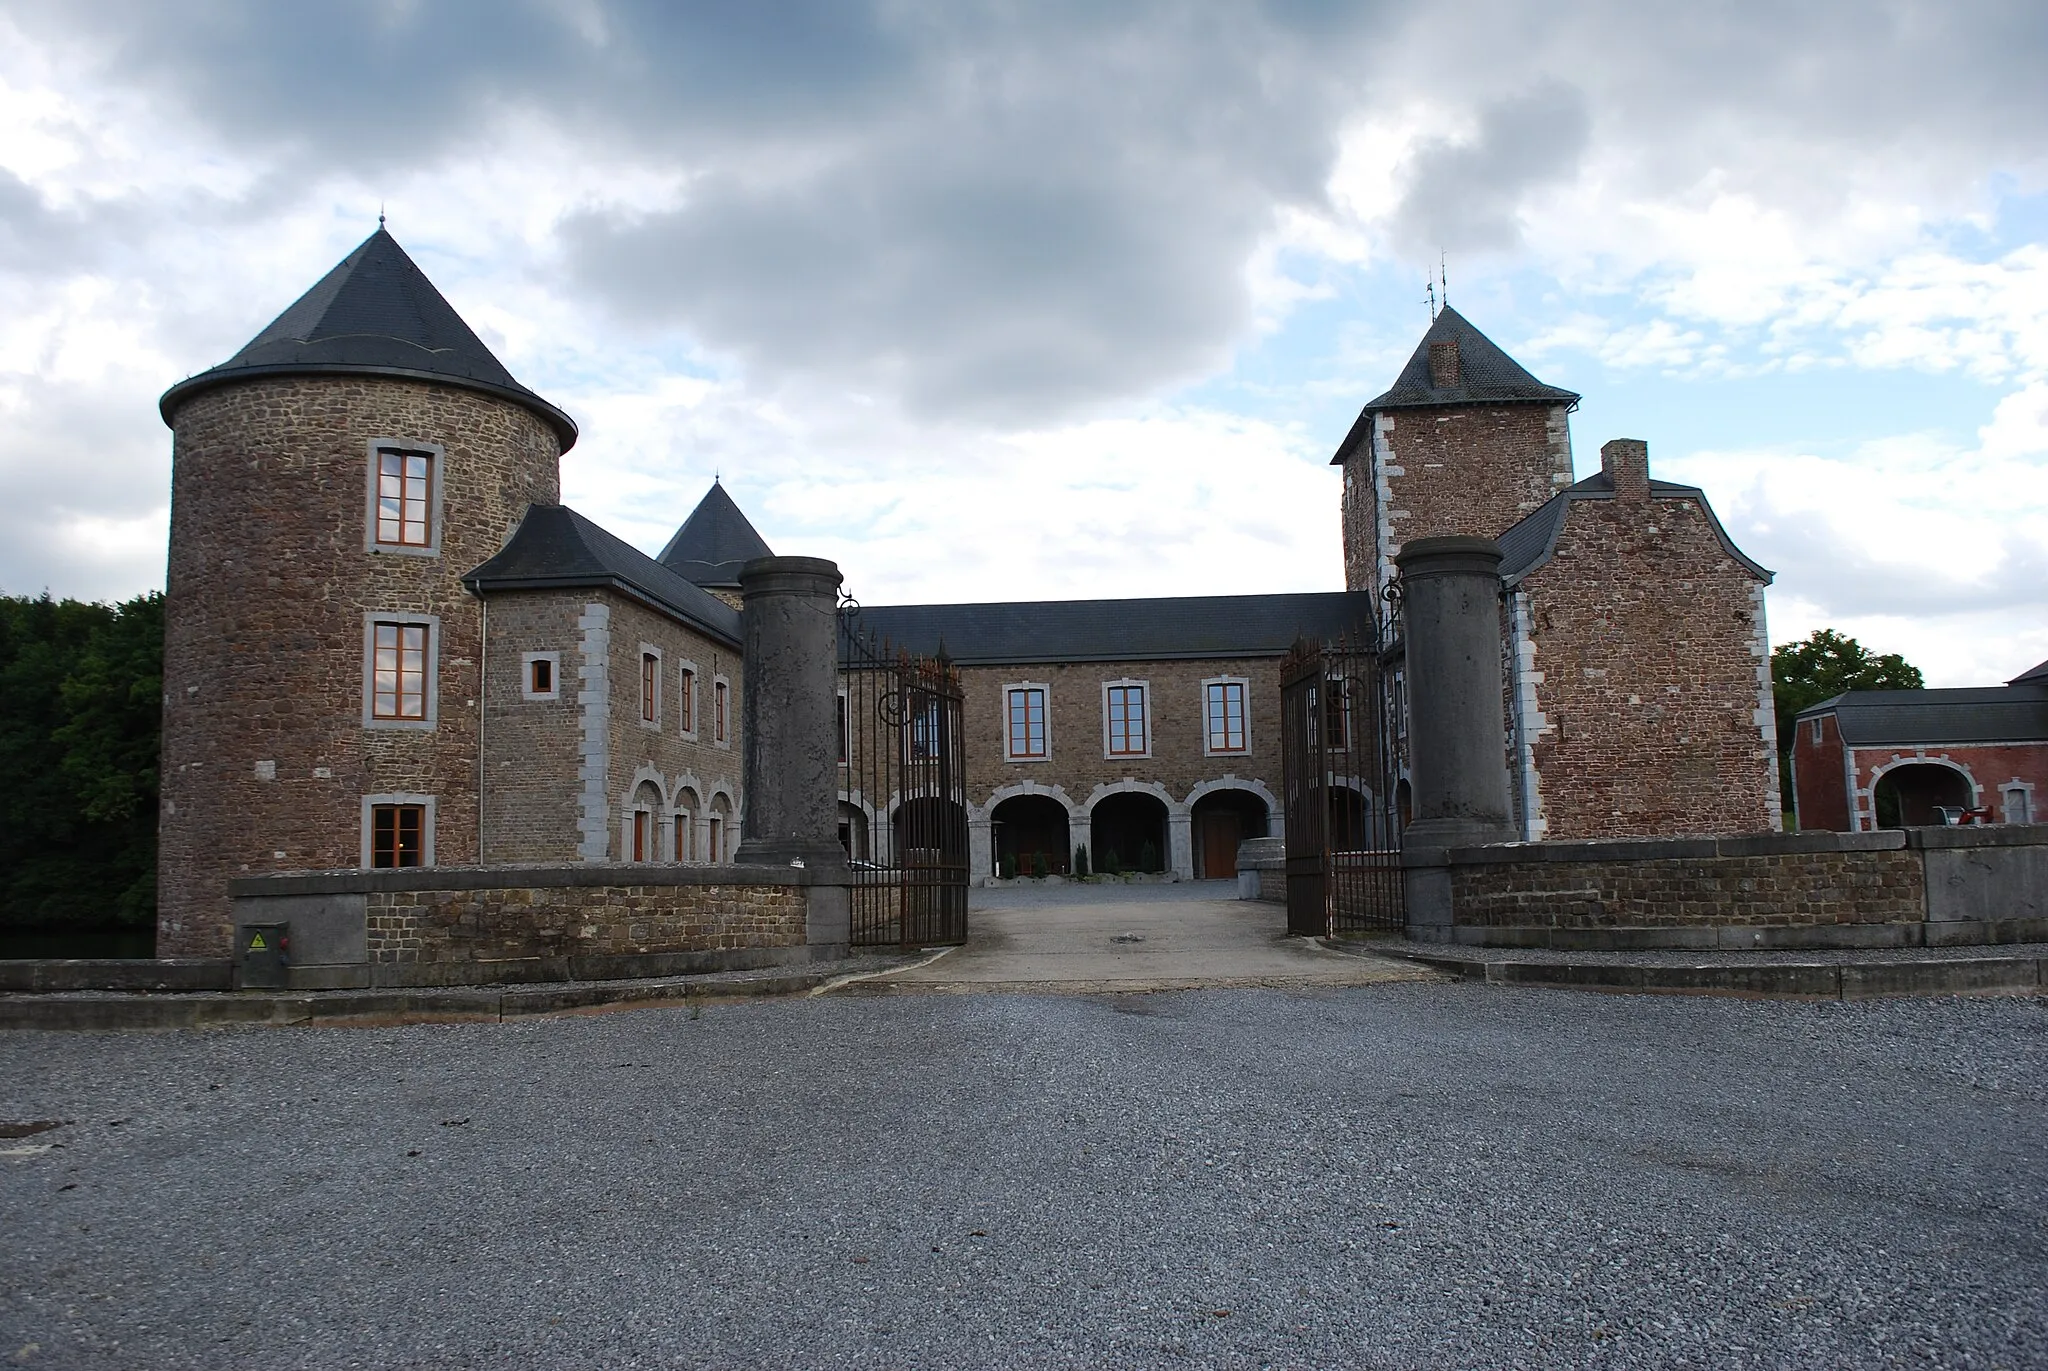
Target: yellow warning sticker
{"type": "Point", "coordinates": [256, 943]}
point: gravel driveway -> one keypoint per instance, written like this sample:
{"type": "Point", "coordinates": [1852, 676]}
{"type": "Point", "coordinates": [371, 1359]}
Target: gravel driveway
{"type": "Point", "coordinates": [1405, 1175]}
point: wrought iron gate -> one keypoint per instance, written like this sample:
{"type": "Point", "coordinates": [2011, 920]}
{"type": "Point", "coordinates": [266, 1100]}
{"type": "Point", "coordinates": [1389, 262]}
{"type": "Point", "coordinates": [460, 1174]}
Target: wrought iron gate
{"type": "Point", "coordinates": [902, 791]}
{"type": "Point", "coordinates": [1343, 741]}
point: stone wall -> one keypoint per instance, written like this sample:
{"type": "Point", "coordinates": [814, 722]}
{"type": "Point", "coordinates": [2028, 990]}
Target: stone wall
{"type": "Point", "coordinates": [1897, 888]}
{"type": "Point", "coordinates": [1648, 662]}
{"type": "Point", "coordinates": [265, 759]}
{"type": "Point", "coordinates": [487, 925]}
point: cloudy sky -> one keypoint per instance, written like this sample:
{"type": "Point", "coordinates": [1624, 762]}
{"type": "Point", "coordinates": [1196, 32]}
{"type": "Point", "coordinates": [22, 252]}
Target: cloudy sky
{"type": "Point", "coordinates": [1054, 300]}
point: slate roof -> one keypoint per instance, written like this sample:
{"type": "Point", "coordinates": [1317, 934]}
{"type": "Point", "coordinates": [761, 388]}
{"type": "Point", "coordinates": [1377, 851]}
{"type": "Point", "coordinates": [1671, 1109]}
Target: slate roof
{"type": "Point", "coordinates": [1183, 628]}
{"type": "Point", "coordinates": [556, 547]}
{"type": "Point", "coordinates": [375, 314]}
{"type": "Point", "coordinates": [1918, 718]}
{"type": "Point", "coordinates": [1530, 543]}
{"type": "Point", "coordinates": [714, 542]}
{"type": "Point", "coordinates": [1486, 376]}
{"type": "Point", "coordinates": [2039, 673]}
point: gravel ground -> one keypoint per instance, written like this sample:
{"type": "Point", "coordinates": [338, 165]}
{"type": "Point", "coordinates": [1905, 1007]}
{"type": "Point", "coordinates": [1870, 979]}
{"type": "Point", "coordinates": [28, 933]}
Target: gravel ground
{"type": "Point", "coordinates": [1398, 1176]}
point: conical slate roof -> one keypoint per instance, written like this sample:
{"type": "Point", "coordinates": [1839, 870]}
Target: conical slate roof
{"type": "Point", "coordinates": [1486, 376]}
{"type": "Point", "coordinates": [375, 314]}
{"type": "Point", "coordinates": [714, 542]}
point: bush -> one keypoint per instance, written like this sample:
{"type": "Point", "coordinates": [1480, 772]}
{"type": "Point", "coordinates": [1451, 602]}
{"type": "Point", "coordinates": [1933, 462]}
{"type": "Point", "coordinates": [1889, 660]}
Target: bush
{"type": "Point", "coordinates": [1081, 860]}
{"type": "Point", "coordinates": [1008, 866]}
{"type": "Point", "coordinates": [1148, 857]}
{"type": "Point", "coordinates": [1112, 865]}
{"type": "Point", "coordinates": [1034, 864]}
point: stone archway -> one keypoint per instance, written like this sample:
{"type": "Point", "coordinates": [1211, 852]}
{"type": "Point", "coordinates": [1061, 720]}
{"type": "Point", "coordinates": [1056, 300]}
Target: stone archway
{"type": "Point", "coordinates": [1130, 829]}
{"type": "Point", "coordinates": [1222, 817]}
{"type": "Point", "coordinates": [1912, 794]}
{"type": "Point", "coordinates": [1031, 835]}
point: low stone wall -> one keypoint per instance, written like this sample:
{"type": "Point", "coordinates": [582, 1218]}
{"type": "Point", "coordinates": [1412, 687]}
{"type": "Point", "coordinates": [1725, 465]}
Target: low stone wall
{"type": "Point", "coordinates": [1262, 870]}
{"type": "Point", "coordinates": [501, 925]}
{"type": "Point", "coordinates": [1898, 888]}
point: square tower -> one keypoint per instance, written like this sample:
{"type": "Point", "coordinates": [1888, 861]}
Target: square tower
{"type": "Point", "coordinates": [1465, 441]}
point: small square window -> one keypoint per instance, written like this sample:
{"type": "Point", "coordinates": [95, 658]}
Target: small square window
{"type": "Point", "coordinates": [541, 675]}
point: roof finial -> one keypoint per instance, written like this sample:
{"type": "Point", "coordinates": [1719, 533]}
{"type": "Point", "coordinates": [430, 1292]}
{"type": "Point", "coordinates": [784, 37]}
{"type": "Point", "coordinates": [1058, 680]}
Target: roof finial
{"type": "Point", "coordinates": [716, 475]}
{"type": "Point", "coordinates": [380, 214]}
{"type": "Point", "coordinates": [1444, 274]}
{"type": "Point", "coordinates": [1432, 301]}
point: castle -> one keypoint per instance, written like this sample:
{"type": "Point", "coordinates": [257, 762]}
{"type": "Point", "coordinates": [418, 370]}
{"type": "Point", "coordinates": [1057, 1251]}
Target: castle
{"type": "Point", "coordinates": [388, 644]}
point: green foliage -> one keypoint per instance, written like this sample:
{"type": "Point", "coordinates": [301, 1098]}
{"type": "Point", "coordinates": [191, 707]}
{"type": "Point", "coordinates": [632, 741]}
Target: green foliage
{"type": "Point", "coordinates": [1112, 865]}
{"type": "Point", "coordinates": [1008, 866]}
{"type": "Point", "coordinates": [1081, 860]}
{"type": "Point", "coordinates": [1148, 857]}
{"type": "Point", "coordinates": [81, 689]}
{"type": "Point", "coordinates": [1820, 668]}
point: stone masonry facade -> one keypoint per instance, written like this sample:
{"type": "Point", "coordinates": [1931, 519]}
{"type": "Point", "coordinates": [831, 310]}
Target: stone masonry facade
{"type": "Point", "coordinates": [266, 758]}
{"type": "Point", "coordinates": [1642, 663]}
{"type": "Point", "coordinates": [591, 728]}
{"type": "Point", "coordinates": [1179, 772]}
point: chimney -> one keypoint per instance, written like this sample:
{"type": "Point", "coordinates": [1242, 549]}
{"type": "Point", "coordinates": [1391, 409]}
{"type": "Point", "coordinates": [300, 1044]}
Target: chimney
{"type": "Point", "coordinates": [1627, 464]}
{"type": "Point", "coordinates": [1443, 364]}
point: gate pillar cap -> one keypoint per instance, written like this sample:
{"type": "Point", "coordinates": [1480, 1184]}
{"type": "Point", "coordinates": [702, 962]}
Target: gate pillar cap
{"type": "Point", "coordinates": [789, 576]}
{"type": "Point", "coordinates": [1455, 554]}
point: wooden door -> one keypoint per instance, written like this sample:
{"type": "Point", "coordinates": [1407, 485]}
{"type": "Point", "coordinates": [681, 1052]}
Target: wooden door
{"type": "Point", "coordinates": [1220, 835]}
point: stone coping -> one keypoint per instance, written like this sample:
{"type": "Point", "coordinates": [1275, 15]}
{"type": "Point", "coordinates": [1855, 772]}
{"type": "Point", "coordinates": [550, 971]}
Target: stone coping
{"type": "Point", "coordinates": [1734, 845]}
{"type": "Point", "coordinates": [535, 877]}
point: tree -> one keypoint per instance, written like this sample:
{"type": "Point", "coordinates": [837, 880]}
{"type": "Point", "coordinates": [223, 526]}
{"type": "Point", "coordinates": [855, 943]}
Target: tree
{"type": "Point", "coordinates": [80, 709]}
{"type": "Point", "coordinates": [1820, 668]}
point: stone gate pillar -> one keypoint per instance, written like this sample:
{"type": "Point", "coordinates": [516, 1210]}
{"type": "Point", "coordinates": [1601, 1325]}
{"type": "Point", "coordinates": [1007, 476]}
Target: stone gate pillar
{"type": "Point", "coordinates": [1450, 610]}
{"type": "Point", "coordinates": [788, 726]}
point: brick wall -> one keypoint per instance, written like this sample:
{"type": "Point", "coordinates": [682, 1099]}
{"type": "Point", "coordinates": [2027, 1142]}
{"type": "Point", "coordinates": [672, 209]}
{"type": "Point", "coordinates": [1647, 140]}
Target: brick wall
{"type": "Point", "coordinates": [1992, 771]}
{"type": "Point", "coordinates": [513, 923]}
{"type": "Point", "coordinates": [1646, 644]}
{"type": "Point", "coordinates": [1473, 469]}
{"type": "Point", "coordinates": [265, 758]}
{"type": "Point", "coordinates": [1819, 777]}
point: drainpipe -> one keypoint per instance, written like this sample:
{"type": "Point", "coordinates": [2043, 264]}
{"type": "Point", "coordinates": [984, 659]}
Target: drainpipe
{"type": "Point", "coordinates": [483, 663]}
{"type": "Point", "coordinates": [1516, 711]}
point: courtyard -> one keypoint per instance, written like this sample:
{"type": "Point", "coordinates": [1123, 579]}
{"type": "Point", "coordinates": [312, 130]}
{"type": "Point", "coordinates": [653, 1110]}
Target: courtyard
{"type": "Point", "coordinates": [1413, 1174]}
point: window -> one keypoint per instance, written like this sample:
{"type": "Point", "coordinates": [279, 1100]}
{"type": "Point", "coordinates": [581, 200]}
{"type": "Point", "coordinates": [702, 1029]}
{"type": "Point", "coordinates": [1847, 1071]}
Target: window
{"type": "Point", "coordinates": [1124, 721]}
{"type": "Point", "coordinates": [720, 693]}
{"type": "Point", "coordinates": [686, 698]}
{"type": "Point", "coordinates": [1814, 732]}
{"type": "Point", "coordinates": [404, 491]}
{"type": "Point", "coordinates": [714, 837]}
{"type": "Point", "coordinates": [1224, 712]}
{"type": "Point", "coordinates": [845, 723]}
{"type": "Point", "coordinates": [398, 831]}
{"type": "Point", "coordinates": [2018, 804]}
{"type": "Point", "coordinates": [398, 671]}
{"type": "Point", "coordinates": [927, 726]}
{"type": "Point", "coordinates": [1026, 730]}
{"type": "Point", "coordinates": [1337, 713]}
{"type": "Point", "coordinates": [541, 675]}
{"type": "Point", "coordinates": [642, 844]}
{"type": "Point", "coordinates": [397, 835]}
{"type": "Point", "coordinates": [650, 686]}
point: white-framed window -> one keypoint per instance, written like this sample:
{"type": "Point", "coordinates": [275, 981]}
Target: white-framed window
{"type": "Point", "coordinates": [650, 686]}
{"type": "Point", "coordinates": [400, 657]}
{"type": "Point", "coordinates": [540, 675]}
{"type": "Point", "coordinates": [1126, 718]}
{"type": "Point", "coordinates": [1226, 717]}
{"type": "Point", "coordinates": [721, 712]}
{"type": "Point", "coordinates": [1027, 733]}
{"type": "Point", "coordinates": [398, 831]}
{"type": "Point", "coordinates": [2017, 802]}
{"type": "Point", "coordinates": [404, 498]}
{"type": "Point", "coordinates": [686, 698]}
{"type": "Point", "coordinates": [686, 826]}
{"type": "Point", "coordinates": [1814, 730]}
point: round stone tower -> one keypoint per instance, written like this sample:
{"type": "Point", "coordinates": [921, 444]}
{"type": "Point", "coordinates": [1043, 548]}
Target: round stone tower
{"type": "Point", "coordinates": [330, 484]}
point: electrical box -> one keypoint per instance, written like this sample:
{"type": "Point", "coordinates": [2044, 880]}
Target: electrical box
{"type": "Point", "coordinates": [262, 952]}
